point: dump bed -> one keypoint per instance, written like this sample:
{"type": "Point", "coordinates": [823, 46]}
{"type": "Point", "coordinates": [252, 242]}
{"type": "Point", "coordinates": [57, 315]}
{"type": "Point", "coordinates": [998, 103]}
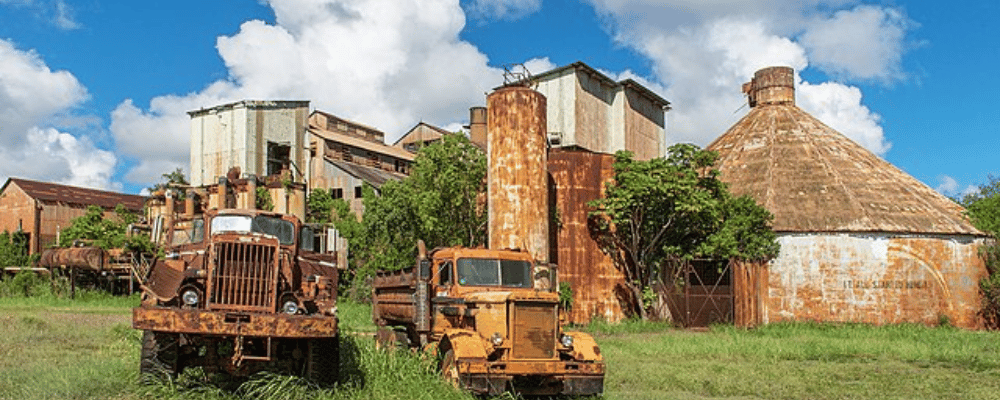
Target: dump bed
{"type": "Point", "coordinates": [393, 297]}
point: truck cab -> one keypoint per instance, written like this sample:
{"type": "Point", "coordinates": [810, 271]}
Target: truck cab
{"type": "Point", "coordinates": [493, 318]}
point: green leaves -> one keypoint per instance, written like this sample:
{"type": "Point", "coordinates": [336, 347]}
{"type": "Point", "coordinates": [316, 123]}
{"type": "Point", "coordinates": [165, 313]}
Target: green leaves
{"type": "Point", "coordinates": [983, 206]}
{"type": "Point", "coordinates": [106, 233]}
{"type": "Point", "coordinates": [441, 202]}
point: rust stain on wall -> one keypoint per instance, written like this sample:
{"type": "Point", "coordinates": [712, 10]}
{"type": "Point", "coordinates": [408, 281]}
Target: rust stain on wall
{"type": "Point", "coordinates": [876, 278]}
{"type": "Point", "coordinates": [577, 178]}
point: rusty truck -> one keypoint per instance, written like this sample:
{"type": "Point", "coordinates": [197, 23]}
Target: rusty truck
{"type": "Point", "coordinates": [240, 291]}
{"type": "Point", "coordinates": [491, 318]}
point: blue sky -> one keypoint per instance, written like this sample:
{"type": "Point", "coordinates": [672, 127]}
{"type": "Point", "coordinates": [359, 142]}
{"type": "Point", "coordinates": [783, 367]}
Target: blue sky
{"type": "Point", "coordinates": [94, 93]}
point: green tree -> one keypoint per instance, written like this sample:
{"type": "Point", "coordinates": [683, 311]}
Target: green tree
{"type": "Point", "coordinates": [983, 206]}
{"type": "Point", "coordinates": [674, 208]}
{"type": "Point", "coordinates": [319, 206]}
{"type": "Point", "coordinates": [983, 209]}
{"type": "Point", "coordinates": [175, 178]}
{"type": "Point", "coordinates": [440, 203]}
{"type": "Point", "coordinates": [13, 249]}
{"type": "Point", "coordinates": [106, 233]}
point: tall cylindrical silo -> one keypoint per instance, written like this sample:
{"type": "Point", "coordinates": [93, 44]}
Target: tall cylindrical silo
{"type": "Point", "coordinates": [518, 182]}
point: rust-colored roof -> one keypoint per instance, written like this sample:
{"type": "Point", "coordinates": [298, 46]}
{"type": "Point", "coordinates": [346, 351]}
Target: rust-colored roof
{"type": "Point", "coordinates": [814, 179]}
{"type": "Point", "coordinates": [53, 192]}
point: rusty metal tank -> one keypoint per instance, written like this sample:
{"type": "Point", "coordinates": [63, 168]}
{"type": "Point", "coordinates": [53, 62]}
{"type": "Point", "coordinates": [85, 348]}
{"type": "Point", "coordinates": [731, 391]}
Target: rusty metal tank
{"type": "Point", "coordinates": [518, 182]}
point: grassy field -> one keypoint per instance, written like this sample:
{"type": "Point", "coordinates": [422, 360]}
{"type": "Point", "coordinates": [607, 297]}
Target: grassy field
{"type": "Point", "coordinates": [85, 349]}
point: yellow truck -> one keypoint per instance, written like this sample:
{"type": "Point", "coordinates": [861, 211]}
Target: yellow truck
{"type": "Point", "coordinates": [492, 318]}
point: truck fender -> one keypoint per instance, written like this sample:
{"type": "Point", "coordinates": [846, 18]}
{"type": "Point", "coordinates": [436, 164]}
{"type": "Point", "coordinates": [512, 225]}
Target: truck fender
{"type": "Point", "coordinates": [585, 347]}
{"type": "Point", "coordinates": [466, 344]}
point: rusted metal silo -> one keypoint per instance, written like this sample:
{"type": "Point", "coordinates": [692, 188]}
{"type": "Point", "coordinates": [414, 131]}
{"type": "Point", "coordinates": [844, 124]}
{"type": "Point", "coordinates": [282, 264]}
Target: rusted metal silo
{"type": "Point", "coordinates": [518, 182]}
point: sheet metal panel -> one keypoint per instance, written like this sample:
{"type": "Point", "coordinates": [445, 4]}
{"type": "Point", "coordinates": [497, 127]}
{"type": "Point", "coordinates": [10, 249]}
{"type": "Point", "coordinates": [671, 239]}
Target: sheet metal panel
{"type": "Point", "coordinates": [577, 178]}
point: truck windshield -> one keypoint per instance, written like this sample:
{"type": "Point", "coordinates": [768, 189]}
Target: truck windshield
{"type": "Point", "coordinates": [493, 272]}
{"type": "Point", "coordinates": [279, 228]}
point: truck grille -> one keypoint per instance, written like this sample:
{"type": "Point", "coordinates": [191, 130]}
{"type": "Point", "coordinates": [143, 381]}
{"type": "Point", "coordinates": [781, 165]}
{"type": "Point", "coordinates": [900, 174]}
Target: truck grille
{"type": "Point", "coordinates": [244, 277]}
{"type": "Point", "coordinates": [534, 330]}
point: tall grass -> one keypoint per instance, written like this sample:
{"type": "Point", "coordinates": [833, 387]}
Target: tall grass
{"type": "Point", "coordinates": [804, 360]}
{"type": "Point", "coordinates": [87, 350]}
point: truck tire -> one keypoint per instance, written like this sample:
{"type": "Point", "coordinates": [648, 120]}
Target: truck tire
{"type": "Point", "coordinates": [323, 361]}
{"type": "Point", "coordinates": [159, 361]}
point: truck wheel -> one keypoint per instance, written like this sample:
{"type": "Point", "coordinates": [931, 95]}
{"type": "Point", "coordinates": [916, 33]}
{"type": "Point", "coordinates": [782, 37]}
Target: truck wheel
{"type": "Point", "coordinates": [323, 361]}
{"type": "Point", "coordinates": [449, 369]}
{"type": "Point", "coordinates": [159, 359]}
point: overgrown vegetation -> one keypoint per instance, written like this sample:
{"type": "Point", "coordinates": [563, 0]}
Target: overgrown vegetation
{"type": "Point", "coordinates": [671, 209]}
{"type": "Point", "coordinates": [983, 209]}
{"type": "Point", "coordinates": [175, 178]}
{"type": "Point", "coordinates": [14, 249]}
{"type": "Point", "coordinates": [438, 203]}
{"type": "Point", "coordinates": [107, 233]}
{"type": "Point", "coordinates": [85, 349]}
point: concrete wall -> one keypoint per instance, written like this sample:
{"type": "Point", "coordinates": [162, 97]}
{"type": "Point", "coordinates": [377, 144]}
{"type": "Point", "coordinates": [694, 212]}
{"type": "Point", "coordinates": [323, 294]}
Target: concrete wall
{"type": "Point", "coordinates": [875, 278]}
{"type": "Point", "coordinates": [236, 135]}
{"type": "Point", "coordinates": [590, 112]}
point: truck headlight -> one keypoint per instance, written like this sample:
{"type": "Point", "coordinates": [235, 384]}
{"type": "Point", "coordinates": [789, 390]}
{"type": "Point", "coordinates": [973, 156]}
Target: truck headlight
{"type": "Point", "coordinates": [566, 340]}
{"type": "Point", "coordinates": [190, 297]}
{"type": "Point", "coordinates": [496, 339]}
{"type": "Point", "coordinates": [290, 307]}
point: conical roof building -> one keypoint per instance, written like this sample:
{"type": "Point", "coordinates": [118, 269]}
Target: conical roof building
{"type": "Point", "coordinates": [861, 240]}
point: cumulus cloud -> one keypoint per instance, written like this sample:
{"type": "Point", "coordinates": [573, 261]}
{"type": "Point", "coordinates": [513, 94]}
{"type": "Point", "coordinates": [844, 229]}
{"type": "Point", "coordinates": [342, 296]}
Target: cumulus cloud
{"type": "Point", "coordinates": [33, 101]}
{"type": "Point", "coordinates": [866, 42]}
{"type": "Point", "coordinates": [703, 51]}
{"type": "Point", "coordinates": [502, 9]}
{"type": "Point", "coordinates": [948, 186]}
{"type": "Point", "coordinates": [383, 63]}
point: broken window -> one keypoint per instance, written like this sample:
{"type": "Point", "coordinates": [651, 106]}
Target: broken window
{"type": "Point", "coordinates": [278, 157]}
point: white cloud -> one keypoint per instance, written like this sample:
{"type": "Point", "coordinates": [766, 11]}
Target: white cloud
{"type": "Point", "coordinates": [947, 185]}
{"type": "Point", "coordinates": [865, 42]}
{"type": "Point", "coordinates": [383, 63]}
{"type": "Point", "coordinates": [839, 106]}
{"type": "Point", "coordinates": [57, 12]}
{"type": "Point", "coordinates": [33, 100]}
{"type": "Point", "coordinates": [703, 51]}
{"type": "Point", "coordinates": [64, 16]}
{"type": "Point", "coordinates": [502, 9]}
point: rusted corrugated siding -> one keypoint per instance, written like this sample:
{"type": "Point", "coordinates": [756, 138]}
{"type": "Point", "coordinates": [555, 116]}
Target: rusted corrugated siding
{"type": "Point", "coordinates": [577, 178]}
{"type": "Point", "coordinates": [876, 278]}
{"type": "Point", "coordinates": [518, 185]}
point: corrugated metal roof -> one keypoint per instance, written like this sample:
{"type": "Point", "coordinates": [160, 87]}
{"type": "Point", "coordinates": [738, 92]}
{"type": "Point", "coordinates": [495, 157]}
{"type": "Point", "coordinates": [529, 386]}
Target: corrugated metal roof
{"type": "Point", "coordinates": [373, 176]}
{"type": "Point", "coordinates": [54, 192]}
{"type": "Point", "coordinates": [814, 179]}
{"type": "Point", "coordinates": [416, 134]}
{"type": "Point", "coordinates": [362, 144]}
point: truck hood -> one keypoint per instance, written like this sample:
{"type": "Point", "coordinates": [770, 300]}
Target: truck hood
{"type": "Point", "coordinates": [505, 296]}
